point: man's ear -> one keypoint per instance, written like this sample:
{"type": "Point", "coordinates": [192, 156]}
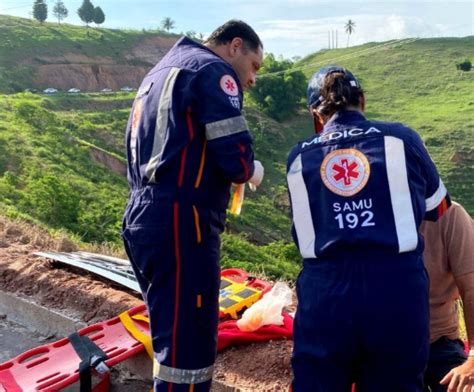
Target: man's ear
{"type": "Point", "coordinates": [235, 45]}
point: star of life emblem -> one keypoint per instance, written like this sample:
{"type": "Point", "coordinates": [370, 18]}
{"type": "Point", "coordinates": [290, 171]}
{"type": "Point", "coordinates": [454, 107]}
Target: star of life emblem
{"type": "Point", "coordinates": [345, 172]}
{"type": "Point", "coordinates": [229, 85]}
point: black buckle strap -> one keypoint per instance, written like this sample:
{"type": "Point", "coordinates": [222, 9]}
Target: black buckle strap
{"type": "Point", "coordinates": [91, 356]}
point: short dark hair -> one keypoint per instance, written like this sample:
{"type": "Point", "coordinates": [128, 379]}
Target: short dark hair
{"type": "Point", "coordinates": [232, 29]}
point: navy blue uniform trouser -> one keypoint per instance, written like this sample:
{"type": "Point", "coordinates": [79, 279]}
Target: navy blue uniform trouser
{"type": "Point", "coordinates": [445, 354]}
{"type": "Point", "coordinates": [363, 321]}
{"type": "Point", "coordinates": [179, 277]}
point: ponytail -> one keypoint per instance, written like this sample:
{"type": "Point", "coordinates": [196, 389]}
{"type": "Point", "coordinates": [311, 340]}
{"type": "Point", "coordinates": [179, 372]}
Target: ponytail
{"type": "Point", "coordinates": [338, 93]}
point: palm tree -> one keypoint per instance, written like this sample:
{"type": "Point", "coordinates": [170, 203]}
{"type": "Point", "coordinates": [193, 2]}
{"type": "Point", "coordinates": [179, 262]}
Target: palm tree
{"type": "Point", "coordinates": [167, 23]}
{"type": "Point", "coordinates": [350, 28]}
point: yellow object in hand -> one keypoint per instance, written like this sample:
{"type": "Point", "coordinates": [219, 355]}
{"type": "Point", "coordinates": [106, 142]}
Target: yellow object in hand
{"type": "Point", "coordinates": [237, 199]}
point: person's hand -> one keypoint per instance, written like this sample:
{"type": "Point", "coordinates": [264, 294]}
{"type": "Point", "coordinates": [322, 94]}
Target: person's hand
{"type": "Point", "coordinates": [461, 378]}
{"type": "Point", "coordinates": [257, 177]}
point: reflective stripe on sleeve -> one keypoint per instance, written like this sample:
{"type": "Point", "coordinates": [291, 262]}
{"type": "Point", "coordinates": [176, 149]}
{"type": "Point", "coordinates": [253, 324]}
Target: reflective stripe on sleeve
{"type": "Point", "coordinates": [226, 127]}
{"type": "Point", "coordinates": [181, 376]}
{"type": "Point", "coordinates": [434, 201]}
{"type": "Point", "coordinates": [302, 217]}
{"type": "Point", "coordinates": [400, 196]}
{"type": "Point", "coordinates": [161, 126]}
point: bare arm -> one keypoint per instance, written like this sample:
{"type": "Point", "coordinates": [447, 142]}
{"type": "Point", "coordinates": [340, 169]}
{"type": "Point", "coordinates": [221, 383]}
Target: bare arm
{"type": "Point", "coordinates": [460, 242]}
{"type": "Point", "coordinates": [461, 378]}
{"type": "Point", "coordinates": [465, 284]}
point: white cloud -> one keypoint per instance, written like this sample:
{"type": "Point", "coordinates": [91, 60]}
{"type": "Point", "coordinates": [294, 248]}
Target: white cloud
{"type": "Point", "coordinates": [301, 37]}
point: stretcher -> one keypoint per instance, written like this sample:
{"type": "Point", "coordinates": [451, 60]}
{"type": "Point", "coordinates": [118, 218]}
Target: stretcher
{"type": "Point", "coordinates": [88, 353]}
{"type": "Point", "coordinates": [53, 366]}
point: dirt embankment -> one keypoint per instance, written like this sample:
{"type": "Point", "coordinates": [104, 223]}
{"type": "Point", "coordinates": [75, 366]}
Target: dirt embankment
{"type": "Point", "coordinates": [88, 77]}
{"type": "Point", "coordinates": [113, 163]}
{"type": "Point", "coordinates": [77, 70]}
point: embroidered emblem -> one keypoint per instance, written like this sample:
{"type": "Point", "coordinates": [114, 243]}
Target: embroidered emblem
{"type": "Point", "coordinates": [229, 85]}
{"type": "Point", "coordinates": [345, 172]}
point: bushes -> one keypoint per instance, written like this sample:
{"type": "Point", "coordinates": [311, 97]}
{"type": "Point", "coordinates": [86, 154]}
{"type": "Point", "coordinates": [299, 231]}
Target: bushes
{"type": "Point", "coordinates": [52, 200]}
{"type": "Point", "coordinates": [279, 89]}
{"type": "Point", "coordinates": [36, 116]}
{"type": "Point", "coordinates": [466, 65]}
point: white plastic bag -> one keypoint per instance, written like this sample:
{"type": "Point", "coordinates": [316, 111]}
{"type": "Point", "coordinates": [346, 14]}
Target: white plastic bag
{"type": "Point", "coordinates": [267, 310]}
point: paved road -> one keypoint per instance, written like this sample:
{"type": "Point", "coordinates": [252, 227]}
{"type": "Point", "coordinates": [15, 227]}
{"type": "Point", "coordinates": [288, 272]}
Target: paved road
{"type": "Point", "coordinates": [15, 339]}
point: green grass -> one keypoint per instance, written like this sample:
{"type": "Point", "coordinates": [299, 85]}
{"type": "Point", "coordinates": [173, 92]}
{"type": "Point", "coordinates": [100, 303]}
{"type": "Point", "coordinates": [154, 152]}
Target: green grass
{"type": "Point", "coordinates": [47, 175]}
{"type": "Point", "coordinates": [416, 82]}
{"type": "Point", "coordinates": [26, 43]}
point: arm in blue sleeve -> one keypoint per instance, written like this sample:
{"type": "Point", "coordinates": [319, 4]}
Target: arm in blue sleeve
{"type": "Point", "coordinates": [219, 112]}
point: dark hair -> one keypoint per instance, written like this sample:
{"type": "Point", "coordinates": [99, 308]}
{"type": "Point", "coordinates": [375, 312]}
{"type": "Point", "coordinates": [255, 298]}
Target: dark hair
{"type": "Point", "coordinates": [338, 93]}
{"type": "Point", "coordinates": [232, 29]}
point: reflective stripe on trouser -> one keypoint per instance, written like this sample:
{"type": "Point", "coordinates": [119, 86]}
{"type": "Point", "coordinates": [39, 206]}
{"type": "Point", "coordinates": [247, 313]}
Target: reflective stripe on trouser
{"type": "Point", "coordinates": [181, 376]}
{"type": "Point", "coordinates": [364, 320]}
{"type": "Point", "coordinates": [166, 269]}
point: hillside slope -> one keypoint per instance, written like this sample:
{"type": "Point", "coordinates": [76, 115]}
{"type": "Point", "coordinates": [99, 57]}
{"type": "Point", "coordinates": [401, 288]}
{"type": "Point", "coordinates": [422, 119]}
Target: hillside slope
{"type": "Point", "coordinates": [415, 81]}
{"type": "Point", "coordinates": [62, 165]}
{"type": "Point", "coordinates": [34, 55]}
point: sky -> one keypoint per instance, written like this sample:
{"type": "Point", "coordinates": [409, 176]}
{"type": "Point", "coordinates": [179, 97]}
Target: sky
{"type": "Point", "coordinates": [287, 28]}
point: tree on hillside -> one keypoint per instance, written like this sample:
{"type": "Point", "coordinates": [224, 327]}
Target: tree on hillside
{"type": "Point", "coordinates": [280, 88]}
{"type": "Point", "coordinates": [60, 11]}
{"type": "Point", "coordinates": [86, 12]}
{"type": "Point", "coordinates": [99, 16]}
{"type": "Point", "coordinates": [167, 24]}
{"type": "Point", "coordinates": [40, 10]}
{"type": "Point", "coordinates": [350, 28]}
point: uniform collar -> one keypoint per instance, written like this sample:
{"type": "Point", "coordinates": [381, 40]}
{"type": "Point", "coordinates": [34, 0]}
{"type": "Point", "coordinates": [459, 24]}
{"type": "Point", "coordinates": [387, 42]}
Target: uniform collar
{"type": "Point", "coordinates": [188, 41]}
{"type": "Point", "coordinates": [344, 117]}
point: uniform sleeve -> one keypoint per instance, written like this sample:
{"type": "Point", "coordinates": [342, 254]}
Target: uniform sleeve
{"type": "Point", "coordinates": [219, 111]}
{"type": "Point", "coordinates": [458, 231]}
{"type": "Point", "coordinates": [437, 199]}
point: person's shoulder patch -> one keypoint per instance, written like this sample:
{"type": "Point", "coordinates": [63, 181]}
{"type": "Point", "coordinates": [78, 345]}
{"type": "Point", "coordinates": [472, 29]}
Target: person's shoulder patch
{"type": "Point", "coordinates": [345, 172]}
{"type": "Point", "coordinates": [229, 85]}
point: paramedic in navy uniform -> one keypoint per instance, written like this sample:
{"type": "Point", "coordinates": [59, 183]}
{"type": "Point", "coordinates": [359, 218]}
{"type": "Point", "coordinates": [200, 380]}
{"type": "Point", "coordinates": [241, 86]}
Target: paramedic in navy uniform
{"type": "Point", "coordinates": [359, 190]}
{"type": "Point", "coordinates": [187, 141]}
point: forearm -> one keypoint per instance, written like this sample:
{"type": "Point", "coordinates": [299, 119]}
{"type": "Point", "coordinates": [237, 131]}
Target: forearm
{"type": "Point", "coordinates": [468, 308]}
{"type": "Point", "coordinates": [466, 288]}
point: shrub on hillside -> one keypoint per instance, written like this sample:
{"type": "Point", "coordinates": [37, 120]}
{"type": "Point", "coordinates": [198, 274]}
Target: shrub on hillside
{"type": "Point", "coordinates": [35, 115]}
{"type": "Point", "coordinates": [279, 89]}
{"type": "Point", "coordinates": [52, 200]}
{"type": "Point", "coordinates": [466, 65]}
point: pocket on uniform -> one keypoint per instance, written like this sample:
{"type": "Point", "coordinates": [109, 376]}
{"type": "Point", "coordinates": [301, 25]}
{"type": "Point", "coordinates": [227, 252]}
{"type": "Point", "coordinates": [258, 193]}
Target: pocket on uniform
{"type": "Point", "coordinates": [148, 223]}
{"type": "Point", "coordinates": [209, 222]}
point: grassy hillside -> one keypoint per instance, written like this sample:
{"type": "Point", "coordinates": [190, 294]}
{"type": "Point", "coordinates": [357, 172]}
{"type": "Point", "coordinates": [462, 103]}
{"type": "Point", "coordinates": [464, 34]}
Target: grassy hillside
{"type": "Point", "coordinates": [416, 82]}
{"type": "Point", "coordinates": [50, 174]}
{"type": "Point", "coordinates": [25, 44]}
